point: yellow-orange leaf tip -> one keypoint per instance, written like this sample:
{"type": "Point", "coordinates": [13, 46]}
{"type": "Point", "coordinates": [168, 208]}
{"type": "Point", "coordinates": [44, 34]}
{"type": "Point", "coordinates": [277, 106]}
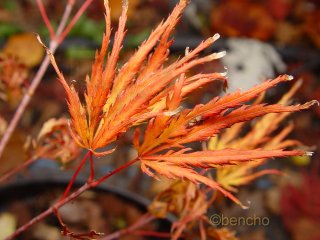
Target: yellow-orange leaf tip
{"type": "Point", "coordinates": [223, 74]}
{"type": "Point", "coordinates": [311, 103]}
{"type": "Point", "coordinates": [289, 77]}
{"type": "Point", "coordinates": [216, 37]}
{"type": "Point", "coordinates": [186, 52]}
{"type": "Point", "coordinates": [174, 112]}
{"type": "Point", "coordinates": [309, 154]}
{"type": "Point", "coordinates": [218, 55]}
{"type": "Point", "coordinates": [315, 102]}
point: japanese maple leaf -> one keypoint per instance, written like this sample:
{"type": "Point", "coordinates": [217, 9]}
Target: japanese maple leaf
{"type": "Point", "coordinates": [263, 134]}
{"type": "Point", "coordinates": [146, 90]}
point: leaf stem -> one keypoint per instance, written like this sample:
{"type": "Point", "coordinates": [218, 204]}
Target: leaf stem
{"type": "Point", "coordinates": [83, 161]}
{"type": "Point", "coordinates": [91, 167]}
{"type": "Point", "coordinates": [97, 182]}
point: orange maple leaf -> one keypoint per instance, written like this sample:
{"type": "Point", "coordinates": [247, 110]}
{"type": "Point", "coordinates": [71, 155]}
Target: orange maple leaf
{"type": "Point", "coordinates": [117, 100]}
{"type": "Point", "coordinates": [146, 90]}
{"type": "Point", "coordinates": [261, 135]}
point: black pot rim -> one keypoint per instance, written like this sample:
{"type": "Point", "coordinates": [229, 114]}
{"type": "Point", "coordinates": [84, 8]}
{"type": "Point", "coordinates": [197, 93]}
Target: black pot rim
{"type": "Point", "coordinates": [20, 187]}
{"type": "Point", "coordinates": [60, 181]}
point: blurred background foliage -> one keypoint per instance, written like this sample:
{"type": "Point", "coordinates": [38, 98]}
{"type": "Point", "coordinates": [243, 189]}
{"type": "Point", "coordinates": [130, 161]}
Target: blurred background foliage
{"type": "Point", "coordinates": [263, 38]}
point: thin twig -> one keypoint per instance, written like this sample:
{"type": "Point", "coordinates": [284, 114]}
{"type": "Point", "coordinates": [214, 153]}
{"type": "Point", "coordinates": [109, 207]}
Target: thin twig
{"type": "Point", "coordinates": [65, 194]}
{"type": "Point", "coordinates": [97, 182]}
{"type": "Point", "coordinates": [42, 153]}
{"type": "Point", "coordinates": [67, 232]}
{"type": "Point", "coordinates": [65, 16]}
{"type": "Point", "coordinates": [67, 199]}
{"type": "Point", "coordinates": [48, 211]}
{"type": "Point", "coordinates": [14, 171]}
{"type": "Point", "coordinates": [45, 18]}
{"type": "Point", "coordinates": [75, 18]}
{"type": "Point", "coordinates": [144, 219]}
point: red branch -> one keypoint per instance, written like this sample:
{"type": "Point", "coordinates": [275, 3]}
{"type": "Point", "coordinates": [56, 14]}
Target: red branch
{"type": "Point", "coordinates": [91, 167]}
{"type": "Point", "coordinates": [97, 182]}
{"type": "Point", "coordinates": [67, 199]}
{"type": "Point", "coordinates": [45, 18]}
{"type": "Point", "coordinates": [83, 161]}
{"type": "Point", "coordinates": [73, 21]}
{"type": "Point", "coordinates": [143, 220]}
{"type": "Point", "coordinates": [66, 232]}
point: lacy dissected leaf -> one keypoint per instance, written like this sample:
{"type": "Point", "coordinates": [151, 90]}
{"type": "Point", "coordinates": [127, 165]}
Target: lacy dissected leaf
{"type": "Point", "coordinates": [207, 120]}
{"type": "Point", "coordinates": [231, 177]}
{"type": "Point", "coordinates": [180, 165]}
{"type": "Point", "coordinates": [228, 156]}
{"type": "Point", "coordinates": [54, 141]}
{"type": "Point", "coordinates": [186, 201]}
{"type": "Point", "coordinates": [180, 172]}
{"type": "Point", "coordinates": [213, 126]}
{"type": "Point", "coordinates": [232, 100]}
{"type": "Point", "coordinates": [146, 90]}
{"type": "Point", "coordinates": [193, 211]}
{"type": "Point", "coordinates": [117, 99]}
{"type": "Point", "coordinates": [170, 131]}
{"type": "Point", "coordinates": [262, 135]}
{"type": "Point", "coordinates": [262, 130]}
{"type": "Point", "coordinates": [176, 199]}
{"type": "Point", "coordinates": [189, 204]}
